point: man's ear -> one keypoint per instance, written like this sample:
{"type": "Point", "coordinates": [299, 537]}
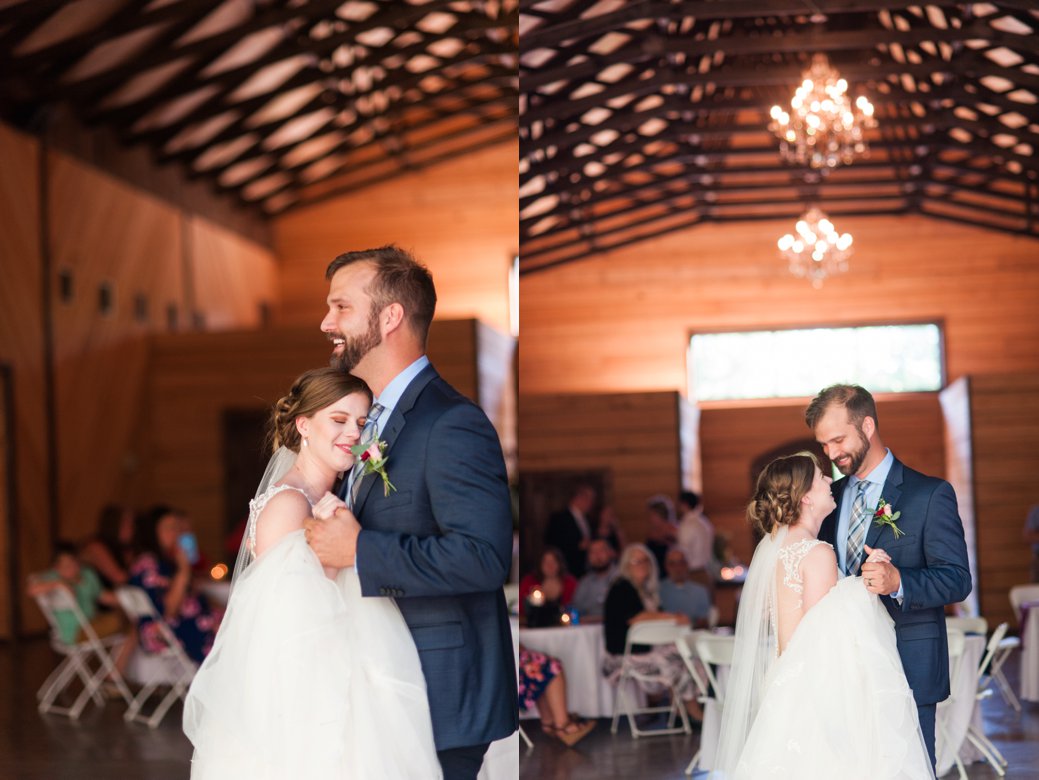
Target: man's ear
{"type": "Point", "coordinates": [869, 427]}
{"type": "Point", "coordinates": [391, 317]}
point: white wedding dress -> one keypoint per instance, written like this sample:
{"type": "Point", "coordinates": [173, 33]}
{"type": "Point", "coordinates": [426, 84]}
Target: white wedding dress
{"type": "Point", "coordinates": [308, 679]}
{"type": "Point", "coordinates": [834, 704]}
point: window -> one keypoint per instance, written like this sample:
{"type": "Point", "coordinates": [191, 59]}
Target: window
{"type": "Point", "coordinates": [797, 363]}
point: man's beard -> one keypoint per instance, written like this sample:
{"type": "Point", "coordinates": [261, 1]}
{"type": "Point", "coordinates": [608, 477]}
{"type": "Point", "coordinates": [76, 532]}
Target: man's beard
{"type": "Point", "coordinates": [856, 458]}
{"type": "Point", "coordinates": [356, 347]}
{"type": "Point", "coordinates": [601, 569]}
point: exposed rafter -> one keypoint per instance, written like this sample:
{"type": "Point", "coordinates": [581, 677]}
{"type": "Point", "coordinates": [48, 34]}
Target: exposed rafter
{"type": "Point", "coordinates": [645, 117]}
{"type": "Point", "coordinates": [269, 98]}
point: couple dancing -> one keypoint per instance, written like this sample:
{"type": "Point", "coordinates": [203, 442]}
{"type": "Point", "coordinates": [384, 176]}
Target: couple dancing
{"type": "Point", "coordinates": [317, 672]}
{"type": "Point", "coordinates": [841, 656]}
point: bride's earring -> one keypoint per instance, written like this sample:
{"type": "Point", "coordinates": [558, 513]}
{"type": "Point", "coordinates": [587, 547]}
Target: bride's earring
{"type": "Point", "coordinates": [306, 442]}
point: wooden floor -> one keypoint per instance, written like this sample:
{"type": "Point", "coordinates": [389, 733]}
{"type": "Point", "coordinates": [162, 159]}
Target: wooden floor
{"type": "Point", "coordinates": [101, 745]}
{"type": "Point", "coordinates": [602, 756]}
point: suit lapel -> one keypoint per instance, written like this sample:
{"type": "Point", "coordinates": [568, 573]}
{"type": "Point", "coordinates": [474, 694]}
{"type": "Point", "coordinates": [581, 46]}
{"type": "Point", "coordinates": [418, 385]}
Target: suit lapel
{"type": "Point", "coordinates": [389, 434]}
{"type": "Point", "coordinates": [890, 492]}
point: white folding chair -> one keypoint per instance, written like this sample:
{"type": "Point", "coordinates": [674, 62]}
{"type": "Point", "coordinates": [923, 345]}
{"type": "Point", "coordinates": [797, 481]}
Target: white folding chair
{"type": "Point", "coordinates": [686, 644]}
{"type": "Point", "coordinates": [968, 625]}
{"type": "Point", "coordinates": [957, 640]}
{"type": "Point", "coordinates": [1019, 594]}
{"type": "Point", "coordinates": [170, 666]}
{"type": "Point", "coordinates": [983, 679]}
{"type": "Point", "coordinates": [653, 633]}
{"type": "Point", "coordinates": [88, 659]}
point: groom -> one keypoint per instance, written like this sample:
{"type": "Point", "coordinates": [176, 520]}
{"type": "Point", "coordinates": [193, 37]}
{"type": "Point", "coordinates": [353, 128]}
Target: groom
{"type": "Point", "coordinates": [928, 567]}
{"type": "Point", "coordinates": [441, 542]}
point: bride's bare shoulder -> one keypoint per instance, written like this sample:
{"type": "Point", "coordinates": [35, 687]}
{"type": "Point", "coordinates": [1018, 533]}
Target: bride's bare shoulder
{"type": "Point", "coordinates": [820, 561]}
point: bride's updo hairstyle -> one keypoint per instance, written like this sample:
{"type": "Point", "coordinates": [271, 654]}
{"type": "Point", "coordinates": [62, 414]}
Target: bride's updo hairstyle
{"type": "Point", "coordinates": [309, 394]}
{"type": "Point", "coordinates": [781, 486]}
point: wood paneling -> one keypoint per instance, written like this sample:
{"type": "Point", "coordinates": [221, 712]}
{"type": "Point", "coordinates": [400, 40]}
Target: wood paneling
{"type": "Point", "coordinates": [621, 321]}
{"type": "Point", "coordinates": [460, 218]}
{"type": "Point", "coordinates": [634, 438]}
{"type": "Point", "coordinates": [22, 347]}
{"type": "Point", "coordinates": [230, 276]}
{"type": "Point", "coordinates": [151, 256]}
{"type": "Point", "coordinates": [1004, 412]}
{"type": "Point", "coordinates": [195, 378]}
{"type": "Point", "coordinates": [104, 233]}
{"type": "Point", "coordinates": [9, 582]}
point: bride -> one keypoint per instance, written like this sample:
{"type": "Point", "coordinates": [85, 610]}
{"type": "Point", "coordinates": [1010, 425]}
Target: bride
{"type": "Point", "coordinates": [307, 678]}
{"type": "Point", "coordinates": [817, 688]}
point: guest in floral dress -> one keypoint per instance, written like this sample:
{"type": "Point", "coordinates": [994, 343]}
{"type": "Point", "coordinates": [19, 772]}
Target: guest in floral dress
{"type": "Point", "coordinates": [542, 685]}
{"type": "Point", "coordinates": [163, 570]}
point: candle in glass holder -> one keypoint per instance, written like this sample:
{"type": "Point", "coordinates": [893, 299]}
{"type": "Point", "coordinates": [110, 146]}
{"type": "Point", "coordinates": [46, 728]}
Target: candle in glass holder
{"type": "Point", "coordinates": [536, 597]}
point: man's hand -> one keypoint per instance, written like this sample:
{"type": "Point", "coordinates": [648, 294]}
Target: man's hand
{"type": "Point", "coordinates": [334, 539]}
{"type": "Point", "coordinates": [878, 573]}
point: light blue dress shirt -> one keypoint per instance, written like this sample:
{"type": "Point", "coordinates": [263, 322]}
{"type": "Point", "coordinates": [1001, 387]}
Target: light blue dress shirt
{"type": "Point", "coordinates": [876, 478]}
{"type": "Point", "coordinates": [388, 399]}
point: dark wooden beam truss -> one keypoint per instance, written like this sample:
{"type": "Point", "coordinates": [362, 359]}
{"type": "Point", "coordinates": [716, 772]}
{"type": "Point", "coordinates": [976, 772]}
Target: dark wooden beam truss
{"type": "Point", "coordinates": [397, 84]}
{"type": "Point", "coordinates": [652, 117]}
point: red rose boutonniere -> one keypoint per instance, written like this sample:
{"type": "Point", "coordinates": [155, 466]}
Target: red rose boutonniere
{"type": "Point", "coordinates": [885, 516]}
{"type": "Point", "coordinates": [373, 456]}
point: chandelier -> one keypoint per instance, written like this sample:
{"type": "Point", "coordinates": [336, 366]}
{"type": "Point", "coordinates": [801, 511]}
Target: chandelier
{"type": "Point", "coordinates": [816, 250]}
{"type": "Point", "coordinates": [822, 128]}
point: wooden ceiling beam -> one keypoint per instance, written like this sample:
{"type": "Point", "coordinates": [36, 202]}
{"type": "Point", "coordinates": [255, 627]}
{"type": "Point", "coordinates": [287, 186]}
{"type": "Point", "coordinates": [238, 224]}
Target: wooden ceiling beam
{"type": "Point", "coordinates": [472, 105]}
{"type": "Point", "coordinates": [551, 36]}
{"type": "Point", "coordinates": [204, 50]}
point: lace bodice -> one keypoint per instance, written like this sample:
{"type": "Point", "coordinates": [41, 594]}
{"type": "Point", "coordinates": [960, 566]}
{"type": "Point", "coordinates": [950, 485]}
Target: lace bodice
{"type": "Point", "coordinates": [257, 505]}
{"type": "Point", "coordinates": [791, 556]}
{"type": "Point", "coordinates": [787, 607]}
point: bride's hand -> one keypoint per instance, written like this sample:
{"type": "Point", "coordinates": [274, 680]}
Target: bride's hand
{"type": "Point", "coordinates": [876, 555]}
{"type": "Point", "coordinates": [327, 506]}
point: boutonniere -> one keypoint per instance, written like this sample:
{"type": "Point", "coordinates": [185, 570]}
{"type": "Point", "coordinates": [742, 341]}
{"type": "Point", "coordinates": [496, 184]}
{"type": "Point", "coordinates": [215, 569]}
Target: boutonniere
{"type": "Point", "coordinates": [885, 516]}
{"type": "Point", "coordinates": [373, 458]}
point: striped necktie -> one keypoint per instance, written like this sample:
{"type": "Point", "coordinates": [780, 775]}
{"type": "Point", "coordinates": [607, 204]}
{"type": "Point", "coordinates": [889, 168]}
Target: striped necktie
{"type": "Point", "coordinates": [857, 531]}
{"type": "Point", "coordinates": [369, 433]}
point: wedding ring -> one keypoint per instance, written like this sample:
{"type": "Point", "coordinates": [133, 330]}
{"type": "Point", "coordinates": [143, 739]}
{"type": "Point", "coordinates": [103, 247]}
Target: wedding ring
{"type": "Point", "coordinates": [869, 583]}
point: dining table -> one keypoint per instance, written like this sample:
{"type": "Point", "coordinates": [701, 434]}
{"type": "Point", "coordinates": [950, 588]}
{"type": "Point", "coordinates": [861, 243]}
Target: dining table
{"type": "Point", "coordinates": [580, 648]}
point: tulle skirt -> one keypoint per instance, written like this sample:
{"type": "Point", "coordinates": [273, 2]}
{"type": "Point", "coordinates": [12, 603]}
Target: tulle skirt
{"type": "Point", "coordinates": [837, 704]}
{"type": "Point", "coordinates": [309, 679]}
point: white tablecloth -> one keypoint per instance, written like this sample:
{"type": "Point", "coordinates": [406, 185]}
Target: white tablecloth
{"type": "Point", "coordinates": [580, 648]}
{"type": "Point", "coordinates": [966, 709]}
{"type": "Point", "coordinates": [1030, 657]}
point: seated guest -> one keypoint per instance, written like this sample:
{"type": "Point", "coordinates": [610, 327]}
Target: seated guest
{"type": "Point", "coordinates": [635, 597]}
{"type": "Point", "coordinates": [110, 551]}
{"type": "Point", "coordinates": [593, 586]}
{"type": "Point", "coordinates": [542, 685]}
{"type": "Point", "coordinates": [163, 570]}
{"type": "Point", "coordinates": [678, 593]}
{"type": "Point", "coordinates": [661, 530]}
{"type": "Point", "coordinates": [85, 586]}
{"type": "Point", "coordinates": [557, 586]}
{"type": "Point", "coordinates": [569, 530]}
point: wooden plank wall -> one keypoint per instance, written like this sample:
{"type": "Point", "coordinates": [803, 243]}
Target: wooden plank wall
{"type": "Point", "coordinates": [8, 511]}
{"type": "Point", "coordinates": [21, 347]}
{"type": "Point", "coordinates": [103, 231]}
{"type": "Point", "coordinates": [633, 437]}
{"type": "Point", "coordinates": [622, 321]}
{"type": "Point", "coordinates": [1005, 425]}
{"type": "Point", "coordinates": [195, 378]}
{"type": "Point", "coordinates": [460, 217]}
{"type": "Point", "coordinates": [98, 231]}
